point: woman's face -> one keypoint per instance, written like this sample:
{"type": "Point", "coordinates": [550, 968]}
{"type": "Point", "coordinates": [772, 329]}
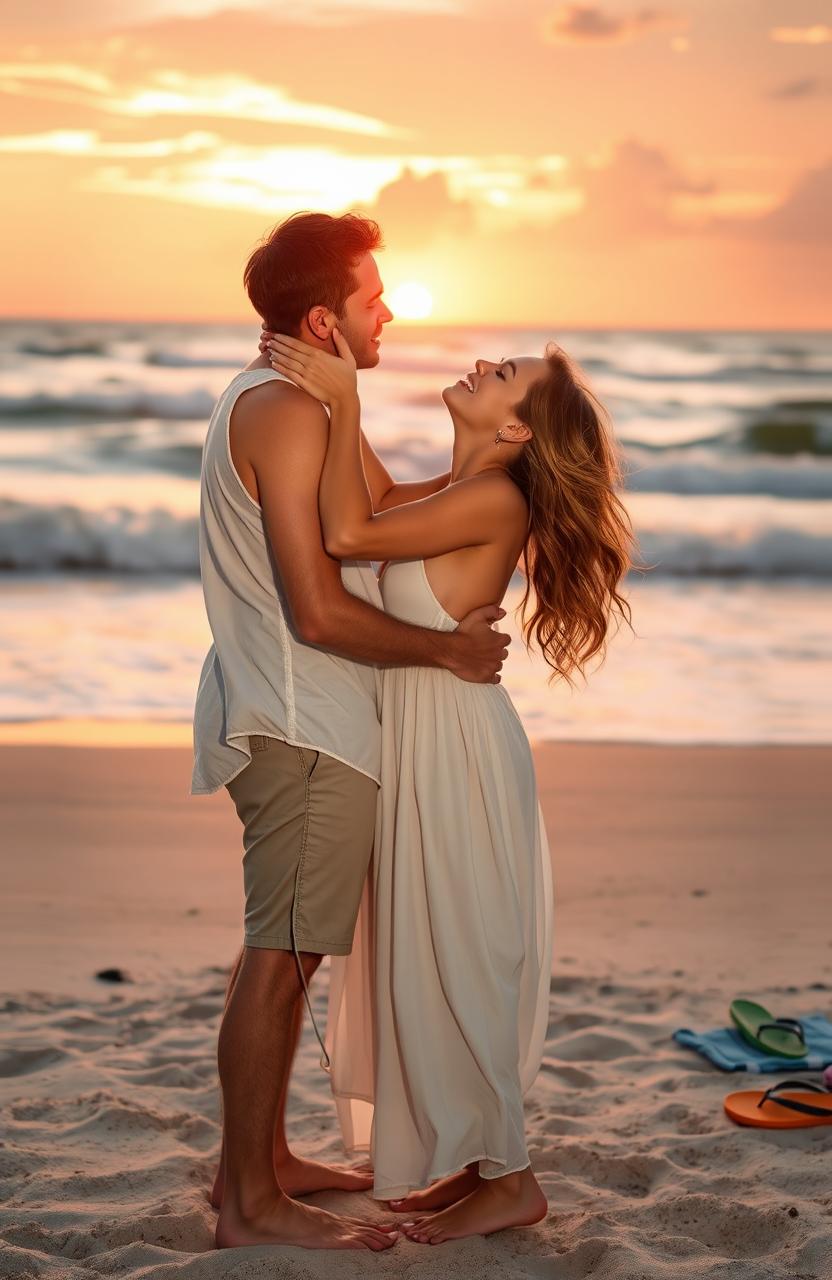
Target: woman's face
{"type": "Point", "coordinates": [484, 399]}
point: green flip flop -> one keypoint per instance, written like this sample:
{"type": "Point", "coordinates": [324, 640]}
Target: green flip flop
{"type": "Point", "coordinates": [782, 1037]}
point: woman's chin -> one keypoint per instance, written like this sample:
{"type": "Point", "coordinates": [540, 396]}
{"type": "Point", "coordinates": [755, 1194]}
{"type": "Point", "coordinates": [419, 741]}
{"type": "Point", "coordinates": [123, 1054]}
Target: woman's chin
{"type": "Point", "coordinates": [449, 398]}
{"type": "Point", "coordinates": [452, 397]}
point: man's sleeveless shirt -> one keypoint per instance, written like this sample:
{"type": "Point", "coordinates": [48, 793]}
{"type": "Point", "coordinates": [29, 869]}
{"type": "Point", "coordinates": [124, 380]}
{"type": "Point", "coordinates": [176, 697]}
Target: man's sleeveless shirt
{"type": "Point", "coordinates": [259, 677]}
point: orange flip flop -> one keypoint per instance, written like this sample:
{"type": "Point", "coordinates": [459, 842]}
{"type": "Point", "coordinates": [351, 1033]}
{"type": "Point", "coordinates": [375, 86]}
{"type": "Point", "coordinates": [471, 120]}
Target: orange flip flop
{"type": "Point", "coordinates": [802, 1109]}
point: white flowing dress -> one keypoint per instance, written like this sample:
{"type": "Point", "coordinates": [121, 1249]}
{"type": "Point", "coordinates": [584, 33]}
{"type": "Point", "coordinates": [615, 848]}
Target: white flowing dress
{"type": "Point", "coordinates": [437, 1019]}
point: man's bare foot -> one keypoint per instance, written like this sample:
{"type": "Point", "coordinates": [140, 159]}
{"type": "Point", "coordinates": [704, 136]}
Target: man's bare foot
{"type": "Point", "coordinates": [281, 1220]}
{"type": "Point", "coordinates": [441, 1194]}
{"type": "Point", "coordinates": [299, 1177]}
{"type": "Point", "coordinates": [515, 1200]}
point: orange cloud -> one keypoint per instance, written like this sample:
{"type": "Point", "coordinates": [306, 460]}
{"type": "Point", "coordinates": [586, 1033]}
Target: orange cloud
{"type": "Point", "coordinates": [87, 142]}
{"type": "Point", "coordinates": [631, 196]}
{"type": "Point", "coordinates": [267, 180]}
{"type": "Point", "coordinates": [590, 24]}
{"type": "Point", "coordinates": [803, 217]}
{"type": "Point", "coordinates": [423, 194]}
{"type": "Point", "coordinates": [413, 211]}
{"type": "Point", "coordinates": [29, 78]}
{"type": "Point", "coordinates": [168, 92]}
{"type": "Point", "coordinates": [100, 14]}
{"type": "Point", "coordinates": [806, 87]}
{"type": "Point", "coordinates": [818, 34]}
{"type": "Point", "coordinates": [640, 194]}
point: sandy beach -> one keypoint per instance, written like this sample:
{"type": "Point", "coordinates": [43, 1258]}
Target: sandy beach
{"type": "Point", "coordinates": [684, 876]}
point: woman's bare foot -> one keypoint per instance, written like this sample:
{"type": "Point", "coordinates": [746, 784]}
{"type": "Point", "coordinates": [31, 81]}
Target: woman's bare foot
{"type": "Point", "coordinates": [440, 1194]}
{"type": "Point", "coordinates": [515, 1200]}
{"type": "Point", "coordinates": [282, 1220]}
{"type": "Point", "coordinates": [299, 1177]}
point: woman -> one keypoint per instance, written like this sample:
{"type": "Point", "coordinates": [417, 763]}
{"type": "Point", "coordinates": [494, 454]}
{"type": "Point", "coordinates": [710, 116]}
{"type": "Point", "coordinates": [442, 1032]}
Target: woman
{"type": "Point", "coordinates": [438, 1017]}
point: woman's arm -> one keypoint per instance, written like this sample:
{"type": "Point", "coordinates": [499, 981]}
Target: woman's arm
{"type": "Point", "coordinates": [413, 490]}
{"type": "Point", "coordinates": [387, 492]}
{"type": "Point", "coordinates": [468, 513]}
{"type": "Point", "coordinates": [343, 497]}
{"type": "Point", "coordinates": [384, 490]}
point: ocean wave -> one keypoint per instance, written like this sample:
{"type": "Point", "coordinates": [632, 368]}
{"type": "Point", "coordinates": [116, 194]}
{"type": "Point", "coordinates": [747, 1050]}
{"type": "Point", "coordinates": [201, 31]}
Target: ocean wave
{"type": "Point", "coordinates": [683, 471]}
{"type": "Point", "coordinates": [720, 373]}
{"type": "Point", "coordinates": [118, 540]}
{"type": "Point", "coordinates": [177, 458]}
{"type": "Point", "coordinates": [63, 350]}
{"type": "Point", "coordinates": [111, 402]}
{"type": "Point", "coordinates": [709, 473]}
{"type": "Point", "coordinates": [157, 541]}
{"type": "Point", "coordinates": [783, 429]}
{"type": "Point", "coordinates": [791, 427]}
{"type": "Point", "coordinates": [175, 360]}
{"type": "Point", "coordinates": [756, 553]}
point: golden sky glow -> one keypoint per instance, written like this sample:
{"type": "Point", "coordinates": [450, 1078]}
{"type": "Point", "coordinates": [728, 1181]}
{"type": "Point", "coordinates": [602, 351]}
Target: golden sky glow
{"type": "Point", "coordinates": [411, 301]}
{"type": "Point", "coordinates": [540, 163]}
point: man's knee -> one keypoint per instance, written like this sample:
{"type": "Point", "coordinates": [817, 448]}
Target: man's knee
{"type": "Point", "coordinates": [310, 961]}
{"type": "Point", "coordinates": [280, 967]}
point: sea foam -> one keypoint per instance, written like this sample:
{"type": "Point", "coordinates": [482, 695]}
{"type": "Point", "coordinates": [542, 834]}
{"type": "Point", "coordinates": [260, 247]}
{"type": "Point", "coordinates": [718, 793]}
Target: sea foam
{"type": "Point", "coordinates": [123, 540]}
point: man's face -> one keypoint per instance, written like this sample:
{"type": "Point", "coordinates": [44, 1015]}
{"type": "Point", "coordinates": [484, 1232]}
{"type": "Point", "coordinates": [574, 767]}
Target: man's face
{"type": "Point", "coordinates": [365, 313]}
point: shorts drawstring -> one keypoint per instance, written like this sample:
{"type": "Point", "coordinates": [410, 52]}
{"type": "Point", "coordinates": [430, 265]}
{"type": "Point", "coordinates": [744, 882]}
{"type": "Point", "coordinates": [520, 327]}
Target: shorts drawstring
{"type": "Point", "coordinates": [326, 1065]}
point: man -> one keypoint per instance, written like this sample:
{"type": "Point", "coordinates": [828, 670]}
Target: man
{"type": "Point", "coordinates": [286, 715]}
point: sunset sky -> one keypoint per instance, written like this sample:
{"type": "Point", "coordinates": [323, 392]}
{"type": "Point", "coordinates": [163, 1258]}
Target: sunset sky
{"type": "Point", "coordinates": [530, 163]}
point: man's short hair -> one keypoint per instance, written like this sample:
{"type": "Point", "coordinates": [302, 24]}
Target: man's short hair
{"type": "Point", "coordinates": [308, 261]}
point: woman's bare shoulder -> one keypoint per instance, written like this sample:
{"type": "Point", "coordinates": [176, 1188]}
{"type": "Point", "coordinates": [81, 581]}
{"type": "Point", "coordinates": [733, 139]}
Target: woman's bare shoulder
{"type": "Point", "coordinates": [499, 488]}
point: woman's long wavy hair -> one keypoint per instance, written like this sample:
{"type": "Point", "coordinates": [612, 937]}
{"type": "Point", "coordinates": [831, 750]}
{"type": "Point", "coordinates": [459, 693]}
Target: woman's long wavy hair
{"type": "Point", "coordinates": [580, 538]}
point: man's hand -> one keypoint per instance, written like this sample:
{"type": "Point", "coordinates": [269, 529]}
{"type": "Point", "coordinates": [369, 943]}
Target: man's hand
{"type": "Point", "coordinates": [478, 651]}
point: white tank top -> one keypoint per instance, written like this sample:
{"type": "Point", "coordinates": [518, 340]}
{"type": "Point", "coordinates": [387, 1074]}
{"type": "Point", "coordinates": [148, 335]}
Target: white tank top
{"type": "Point", "coordinates": [259, 677]}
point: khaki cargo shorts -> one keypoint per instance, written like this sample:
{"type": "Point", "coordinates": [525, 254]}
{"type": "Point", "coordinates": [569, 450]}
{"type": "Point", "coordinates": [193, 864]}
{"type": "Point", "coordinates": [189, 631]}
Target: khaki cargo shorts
{"type": "Point", "coordinates": [308, 824]}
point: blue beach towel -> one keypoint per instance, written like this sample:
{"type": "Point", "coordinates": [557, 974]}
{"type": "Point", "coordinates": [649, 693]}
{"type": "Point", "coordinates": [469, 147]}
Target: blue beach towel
{"type": "Point", "coordinates": [726, 1048]}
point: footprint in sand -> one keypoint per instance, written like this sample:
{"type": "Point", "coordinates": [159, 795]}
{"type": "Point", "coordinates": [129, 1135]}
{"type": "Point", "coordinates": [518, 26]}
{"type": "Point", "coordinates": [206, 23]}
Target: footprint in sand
{"type": "Point", "coordinates": [724, 1226]}
{"type": "Point", "coordinates": [594, 1046]}
{"type": "Point", "coordinates": [575, 1077]}
{"type": "Point", "coordinates": [22, 1062]}
{"type": "Point", "coordinates": [633, 1175]}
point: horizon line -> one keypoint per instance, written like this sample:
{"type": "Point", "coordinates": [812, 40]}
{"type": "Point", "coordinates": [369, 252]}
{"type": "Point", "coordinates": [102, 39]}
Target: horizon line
{"type": "Point", "coordinates": [423, 325]}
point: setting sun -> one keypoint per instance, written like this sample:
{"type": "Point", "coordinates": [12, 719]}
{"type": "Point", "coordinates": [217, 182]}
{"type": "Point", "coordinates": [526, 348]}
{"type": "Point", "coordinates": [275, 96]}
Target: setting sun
{"type": "Point", "coordinates": [411, 302]}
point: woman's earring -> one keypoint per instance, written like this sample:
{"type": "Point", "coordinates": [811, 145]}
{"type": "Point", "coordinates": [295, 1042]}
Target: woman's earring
{"type": "Point", "coordinates": [498, 439]}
